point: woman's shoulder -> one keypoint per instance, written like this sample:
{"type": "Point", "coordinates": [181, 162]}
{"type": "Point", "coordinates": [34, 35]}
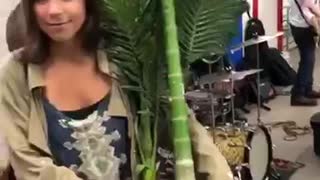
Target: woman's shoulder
{"type": "Point", "coordinates": [12, 74]}
{"type": "Point", "coordinates": [11, 62]}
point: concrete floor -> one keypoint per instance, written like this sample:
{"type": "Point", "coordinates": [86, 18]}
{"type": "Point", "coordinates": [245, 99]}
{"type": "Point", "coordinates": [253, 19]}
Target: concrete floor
{"type": "Point", "coordinates": [300, 150]}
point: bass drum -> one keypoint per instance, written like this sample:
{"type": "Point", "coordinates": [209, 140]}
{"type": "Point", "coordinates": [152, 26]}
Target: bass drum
{"type": "Point", "coordinates": [248, 152]}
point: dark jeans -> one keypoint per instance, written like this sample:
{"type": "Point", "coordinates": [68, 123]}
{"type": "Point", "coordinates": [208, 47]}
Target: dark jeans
{"type": "Point", "coordinates": [304, 39]}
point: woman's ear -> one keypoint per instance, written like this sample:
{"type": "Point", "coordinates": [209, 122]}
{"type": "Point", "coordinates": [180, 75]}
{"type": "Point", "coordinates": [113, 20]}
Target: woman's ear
{"type": "Point", "coordinates": [16, 28]}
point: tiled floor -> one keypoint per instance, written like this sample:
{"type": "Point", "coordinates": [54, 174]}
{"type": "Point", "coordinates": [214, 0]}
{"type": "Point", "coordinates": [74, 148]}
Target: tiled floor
{"type": "Point", "coordinates": [302, 149]}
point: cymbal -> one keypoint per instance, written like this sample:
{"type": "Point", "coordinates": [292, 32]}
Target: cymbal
{"type": "Point", "coordinates": [212, 78]}
{"type": "Point", "coordinates": [254, 41]}
{"type": "Point", "coordinates": [239, 75]}
{"type": "Point", "coordinates": [234, 75]}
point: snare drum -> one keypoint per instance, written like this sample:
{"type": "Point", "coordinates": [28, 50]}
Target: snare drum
{"type": "Point", "coordinates": [203, 105]}
{"type": "Point", "coordinates": [247, 149]}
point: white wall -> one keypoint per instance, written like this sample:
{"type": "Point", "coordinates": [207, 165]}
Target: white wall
{"type": "Point", "coordinates": [5, 8]}
{"type": "Point", "coordinates": [268, 13]}
{"type": "Point", "coordinates": [245, 16]}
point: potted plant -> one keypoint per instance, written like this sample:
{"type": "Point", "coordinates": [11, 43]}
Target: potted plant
{"type": "Point", "coordinates": [153, 42]}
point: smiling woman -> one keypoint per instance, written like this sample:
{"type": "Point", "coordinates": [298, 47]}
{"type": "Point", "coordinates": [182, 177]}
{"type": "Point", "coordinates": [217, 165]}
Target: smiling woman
{"type": "Point", "coordinates": [65, 114]}
{"type": "Point", "coordinates": [61, 20]}
{"type": "Point", "coordinates": [56, 21]}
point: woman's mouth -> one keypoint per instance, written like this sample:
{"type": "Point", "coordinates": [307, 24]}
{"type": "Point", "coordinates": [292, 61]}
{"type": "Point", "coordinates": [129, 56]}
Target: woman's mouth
{"type": "Point", "coordinates": [58, 23]}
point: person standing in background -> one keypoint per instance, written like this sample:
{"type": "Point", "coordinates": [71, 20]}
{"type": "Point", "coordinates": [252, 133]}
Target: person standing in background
{"type": "Point", "coordinates": [301, 15]}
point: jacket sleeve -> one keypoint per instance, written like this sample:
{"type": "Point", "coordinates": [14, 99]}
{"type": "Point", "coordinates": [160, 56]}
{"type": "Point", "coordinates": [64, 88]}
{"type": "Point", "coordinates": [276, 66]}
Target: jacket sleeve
{"type": "Point", "coordinates": [4, 155]}
{"type": "Point", "coordinates": [208, 159]}
{"type": "Point", "coordinates": [27, 161]}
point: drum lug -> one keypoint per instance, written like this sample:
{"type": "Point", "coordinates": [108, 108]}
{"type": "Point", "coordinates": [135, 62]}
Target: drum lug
{"type": "Point", "coordinates": [238, 130]}
{"type": "Point", "coordinates": [229, 125]}
{"type": "Point", "coordinates": [221, 129]}
{"type": "Point", "coordinates": [251, 130]}
{"type": "Point", "coordinates": [195, 107]}
{"type": "Point", "coordinates": [245, 165]}
{"type": "Point", "coordinates": [269, 128]}
{"type": "Point", "coordinates": [235, 146]}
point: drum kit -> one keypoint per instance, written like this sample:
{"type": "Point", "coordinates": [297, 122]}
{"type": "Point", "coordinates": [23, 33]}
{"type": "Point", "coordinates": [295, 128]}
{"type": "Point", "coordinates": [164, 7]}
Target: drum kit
{"type": "Point", "coordinates": [247, 147]}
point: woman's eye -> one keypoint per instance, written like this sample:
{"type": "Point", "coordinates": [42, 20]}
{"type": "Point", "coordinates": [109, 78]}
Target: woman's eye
{"type": "Point", "coordinates": [40, 1]}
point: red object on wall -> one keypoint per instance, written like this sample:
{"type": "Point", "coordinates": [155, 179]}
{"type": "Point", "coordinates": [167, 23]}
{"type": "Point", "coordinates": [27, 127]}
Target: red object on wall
{"type": "Point", "coordinates": [280, 24]}
{"type": "Point", "coordinates": [255, 6]}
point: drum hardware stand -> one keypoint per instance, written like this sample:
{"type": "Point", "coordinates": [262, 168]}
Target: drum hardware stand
{"type": "Point", "coordinates": [274, 172]}
{"type": "Point", "coordinates": [259, 104]}
{"type": "Point", "coordinates": [239, 169]}
{"type": "Point", "coordinates": [253, 84]}
{"type": "Point", "coordinates": [211, 94]}
{"type": "Point", "coordinates": [232, 99]}
{"type": "Point", "coordinates": [213, 120]}
{"type": "Point", "coordinates": [258, 82]}
{"type": "Point", "coordinates": [256, 40]}
{"type": "Point", "coordinates": [233, 110]}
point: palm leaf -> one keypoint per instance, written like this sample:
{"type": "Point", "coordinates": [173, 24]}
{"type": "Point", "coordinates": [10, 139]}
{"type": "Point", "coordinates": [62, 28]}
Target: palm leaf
{"type": "Point", "coordinates": [206, 26]}
{"type": "Point", "coordinates": [134, 50]}
{"type": "Point", "coordinates": [136, 47]}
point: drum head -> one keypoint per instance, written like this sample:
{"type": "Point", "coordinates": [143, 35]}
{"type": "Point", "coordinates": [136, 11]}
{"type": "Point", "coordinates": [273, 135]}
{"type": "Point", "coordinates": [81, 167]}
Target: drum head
{"type": "Point", "coordinates": [197, 95]}
{"type": "Point", "coordinates": [260, 155]}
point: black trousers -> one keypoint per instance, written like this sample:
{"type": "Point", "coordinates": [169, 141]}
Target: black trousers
{"type": "Point", "coordinates": [304, 38]}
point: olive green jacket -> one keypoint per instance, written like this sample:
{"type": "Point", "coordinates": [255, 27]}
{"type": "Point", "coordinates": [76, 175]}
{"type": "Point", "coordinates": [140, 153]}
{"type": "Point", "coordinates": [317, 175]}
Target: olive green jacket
{"type": "Point", "coordinates": [24, 124]}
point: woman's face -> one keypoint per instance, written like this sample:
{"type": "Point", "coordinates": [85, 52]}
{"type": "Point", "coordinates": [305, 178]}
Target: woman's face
{"type": "Point", "coordinates": [61, 20]}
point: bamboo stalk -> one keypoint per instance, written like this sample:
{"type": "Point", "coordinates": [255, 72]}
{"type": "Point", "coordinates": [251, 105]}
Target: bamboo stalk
{"type": "Point", "coordinates": [181, 140]}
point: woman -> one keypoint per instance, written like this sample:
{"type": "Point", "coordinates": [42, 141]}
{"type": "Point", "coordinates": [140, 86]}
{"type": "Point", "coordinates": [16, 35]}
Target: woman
{"type": "Point", "coordinates": [302, 14]}
{"type": "Point", "coordinates": [61, 78]}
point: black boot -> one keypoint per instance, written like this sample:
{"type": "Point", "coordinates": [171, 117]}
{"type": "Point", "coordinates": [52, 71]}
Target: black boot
{"type": "Point", "coordinates": [303, 101]}
{"type": "Point", "coordinates": [313, 94]}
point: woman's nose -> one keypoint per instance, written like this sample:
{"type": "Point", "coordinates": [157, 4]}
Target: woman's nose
{"type": "Point", "coordinates": [54, 8]}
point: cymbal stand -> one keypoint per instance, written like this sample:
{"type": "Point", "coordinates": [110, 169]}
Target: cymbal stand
{"type": "Point", "coordinates": [275, 173]}
{"type": "Point", "coordinates": [213, 120]}
{"type": "Point", "coordinates": [258, 85]}
{"type": "Point", "coordinates": [232, 100]}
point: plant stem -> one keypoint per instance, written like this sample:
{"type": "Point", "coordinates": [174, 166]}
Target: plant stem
{"type": "Point", "coordinates": [181, 140]}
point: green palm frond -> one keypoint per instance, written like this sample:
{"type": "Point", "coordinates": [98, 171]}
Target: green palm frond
{"type": "Point", "coordinates": [136, 47]}
{"type": "Point", "coordinates": [206, 26]}
{"type": "Point", "coordinates": [134, 50]}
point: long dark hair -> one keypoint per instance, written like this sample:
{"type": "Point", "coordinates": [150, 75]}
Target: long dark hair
{"type": "Point", "coordinates": [36, 48]}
